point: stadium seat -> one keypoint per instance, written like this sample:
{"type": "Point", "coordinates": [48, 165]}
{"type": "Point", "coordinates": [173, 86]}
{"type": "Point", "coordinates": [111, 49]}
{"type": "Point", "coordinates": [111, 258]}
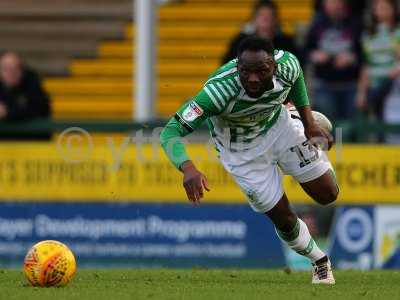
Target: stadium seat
{"type": "Point", "coordinates": [193, 36]}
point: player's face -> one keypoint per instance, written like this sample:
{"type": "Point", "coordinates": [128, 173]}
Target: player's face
{"type": "Point", "coordinates": [256, 69]}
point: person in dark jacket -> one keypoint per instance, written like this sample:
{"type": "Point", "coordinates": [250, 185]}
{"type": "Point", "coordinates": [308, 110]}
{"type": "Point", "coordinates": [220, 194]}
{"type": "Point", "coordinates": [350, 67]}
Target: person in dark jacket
{"type": "Point", "coordinates": [22, 96]}
{"type": "Point", "coordinates": [333, 49]}
{"type": "Point", "coordinates": [357, 8]}
{"type": "Point", "coordinates": [265, 24]}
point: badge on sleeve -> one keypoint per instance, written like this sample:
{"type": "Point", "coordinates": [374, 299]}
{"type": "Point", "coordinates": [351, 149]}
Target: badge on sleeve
{"type": "Point", "coordinates": [192, 112]}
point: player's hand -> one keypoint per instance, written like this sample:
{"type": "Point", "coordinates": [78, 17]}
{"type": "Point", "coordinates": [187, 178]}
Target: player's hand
{"type": "Point", "coordinates": [318, 136]}
{"type": "Point", "coordinates": [194, 182]}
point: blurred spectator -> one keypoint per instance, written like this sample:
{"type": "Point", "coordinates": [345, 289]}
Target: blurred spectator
{"type": "Point", "coordinates": [265, 23]}
{"type": "Point", "coordinates": [381, 45]}
{"type": "Point", "coordinates": [21, 95]}
{"type": "Point", "coordinates": [333, 49]}
{"type": "Point", "coordinates": [356, 7]}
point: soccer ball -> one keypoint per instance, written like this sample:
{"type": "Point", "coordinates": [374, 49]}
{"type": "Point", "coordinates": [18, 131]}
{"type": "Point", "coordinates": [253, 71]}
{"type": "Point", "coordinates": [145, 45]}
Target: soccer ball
{"type": "Point", "coordinates": [49, 263]}
{"type": "Point", "coordinates": [320, 118]}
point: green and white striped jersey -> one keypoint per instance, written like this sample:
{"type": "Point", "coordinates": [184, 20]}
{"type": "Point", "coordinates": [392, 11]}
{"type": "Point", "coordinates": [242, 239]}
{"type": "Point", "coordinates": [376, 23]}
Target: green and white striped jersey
{"type": "Point", "coordinates": [235, 118]}
{"type": "Point", "coordinates": [381, 51]}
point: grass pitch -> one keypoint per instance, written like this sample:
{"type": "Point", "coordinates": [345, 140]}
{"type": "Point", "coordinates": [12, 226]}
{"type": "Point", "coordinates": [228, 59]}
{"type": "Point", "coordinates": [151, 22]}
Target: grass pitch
{"type": "Point", "coordinates": [205, 284]}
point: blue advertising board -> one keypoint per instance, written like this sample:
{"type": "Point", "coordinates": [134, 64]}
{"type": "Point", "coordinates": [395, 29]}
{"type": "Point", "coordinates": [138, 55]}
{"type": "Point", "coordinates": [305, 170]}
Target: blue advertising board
{"type": "Point", "coordinates": [352, 237]}
{"type": "Point", "coordinates": [148, 235]}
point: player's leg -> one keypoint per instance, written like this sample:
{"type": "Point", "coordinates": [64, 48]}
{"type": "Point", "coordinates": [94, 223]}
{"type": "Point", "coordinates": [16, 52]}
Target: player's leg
{"type": "Point", "coordinates": [311, 168]}
{"type": "Point", "coordinates": [324, 189]}
{"type": "Point", "coordinates": [294, 232]}
{"type": "Point", "coordinates": [282, 215]}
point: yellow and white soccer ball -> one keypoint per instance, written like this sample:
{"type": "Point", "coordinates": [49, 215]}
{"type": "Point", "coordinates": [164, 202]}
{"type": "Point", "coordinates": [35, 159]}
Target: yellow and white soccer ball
{"type": "Point", "coordinates": [49, 263]}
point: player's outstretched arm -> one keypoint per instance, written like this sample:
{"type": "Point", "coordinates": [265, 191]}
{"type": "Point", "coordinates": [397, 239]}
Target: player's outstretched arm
{"type": "Point", "coordinates": [189, 117]}
{"type": "Point", "coordinates": [194, 181]}
{"type": "Point", "coordinates": [315, 133]}
{"type": "Point", "coordinates": [210, 101]}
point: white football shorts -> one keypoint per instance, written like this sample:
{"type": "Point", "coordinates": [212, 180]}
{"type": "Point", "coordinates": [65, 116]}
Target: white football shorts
{"type": "Point", "coordinates": [283, 149]}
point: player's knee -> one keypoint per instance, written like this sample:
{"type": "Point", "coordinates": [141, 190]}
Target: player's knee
{"type": "Point", "coordinates": [328, 196]}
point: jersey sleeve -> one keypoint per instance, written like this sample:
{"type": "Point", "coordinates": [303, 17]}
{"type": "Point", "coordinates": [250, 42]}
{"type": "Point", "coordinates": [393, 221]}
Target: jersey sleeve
{"type": "Point", "coordinates": [290, 72]}
{"type": "Point", "coordinates": [298, 93]}
{"type": "Point", "coordinates": [210, 101]}
{"type": "Point", "coordinates": [289, 69]}
{"type": "Point", "coordinates": [193, 113]}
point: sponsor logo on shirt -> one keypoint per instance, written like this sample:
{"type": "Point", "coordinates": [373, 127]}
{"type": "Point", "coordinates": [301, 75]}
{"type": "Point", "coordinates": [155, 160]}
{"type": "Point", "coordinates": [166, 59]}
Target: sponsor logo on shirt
{"type": "Point", "coordinates": [192, 112]}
